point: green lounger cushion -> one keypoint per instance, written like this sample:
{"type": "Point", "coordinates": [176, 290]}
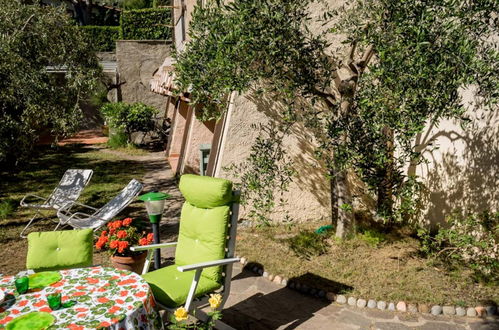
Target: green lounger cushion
{"type": "Point", "coordinates": [171, 287]}
{"type": "Point", "coordinates": [204, 191]}
{"type": "Point", "coordinates": [56, 250]}
{"type": "Point", "coordinates": [202, 237]}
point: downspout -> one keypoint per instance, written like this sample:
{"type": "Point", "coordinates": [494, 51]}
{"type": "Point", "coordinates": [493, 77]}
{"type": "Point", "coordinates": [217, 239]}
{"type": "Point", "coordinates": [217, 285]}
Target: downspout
{"type": "Point", "coordinates": [225, 130]}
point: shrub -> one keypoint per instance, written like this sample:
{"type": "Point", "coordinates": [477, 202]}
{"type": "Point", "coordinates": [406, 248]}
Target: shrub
{"type": "Point", "coordinates": [308, 244]}
{"type": "Point", "coordinates": [129, 118]}
{"type": "Point", "coordinates": [7, 207]}
{"type": "Point", "coordinates": [471, 240]}
{"type": "Point", "coordinates": [372, 237]}
{"type": "Point", "coordinates": [160, 3]}
{"type": "Point", "coordinates": [102, 38]}
{"type": "Point", "coordinates": [146, 24]}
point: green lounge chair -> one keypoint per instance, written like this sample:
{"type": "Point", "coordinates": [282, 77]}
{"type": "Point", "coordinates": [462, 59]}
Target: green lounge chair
{"type": "Point", "coordinates": [205, 249]}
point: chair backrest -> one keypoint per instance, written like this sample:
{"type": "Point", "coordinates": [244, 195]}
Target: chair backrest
{"type": "Point", "coordinates": [60, 249]}
{"type": "Point", "coordinates": [204, 222]}
{"type": "Point", "coordinates": [70, 187]}
{"type": "Point", "coordinates": [118, 203]}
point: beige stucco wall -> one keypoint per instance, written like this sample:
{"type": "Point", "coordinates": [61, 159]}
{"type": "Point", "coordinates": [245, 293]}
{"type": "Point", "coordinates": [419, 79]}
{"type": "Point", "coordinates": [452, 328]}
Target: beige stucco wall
{"type": "Point", "coordinates": [308, 197]}
{"type": "Point", "coordinates": [137, 61]}
{"type": "Point", "coordinates": [463, 165]}
{"type": "Point", "coordinates": [199, 133]}
{"type": "Point", "coordinates": [462, 173]}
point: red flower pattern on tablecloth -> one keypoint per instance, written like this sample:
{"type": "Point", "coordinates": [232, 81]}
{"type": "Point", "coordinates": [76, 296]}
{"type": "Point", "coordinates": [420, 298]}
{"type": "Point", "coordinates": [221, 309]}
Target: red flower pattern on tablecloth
{"type": "Point", "coordinates": [125, 304]}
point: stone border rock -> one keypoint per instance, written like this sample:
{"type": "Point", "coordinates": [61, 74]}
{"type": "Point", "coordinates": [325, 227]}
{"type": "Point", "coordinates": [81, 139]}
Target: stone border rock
{"type": "Point", "coordinates": [400, 306]}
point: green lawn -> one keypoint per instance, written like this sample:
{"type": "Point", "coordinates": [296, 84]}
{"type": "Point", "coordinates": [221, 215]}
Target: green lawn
{"type": "Point", "coordinates": [112, 172]}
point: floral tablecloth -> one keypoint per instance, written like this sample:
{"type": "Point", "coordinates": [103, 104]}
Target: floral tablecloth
{"type": "Point", "coordinates": [106, 298]}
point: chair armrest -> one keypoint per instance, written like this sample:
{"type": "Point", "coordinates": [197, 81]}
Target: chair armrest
{"type": "Point", "coordinates": [206, 264]}
{"type": "Point", "coordinates": [83, 205]}
{"type": "Point", "coordinates": [24, 204]}
{"type": "Point", "coordinates": [152, 246]}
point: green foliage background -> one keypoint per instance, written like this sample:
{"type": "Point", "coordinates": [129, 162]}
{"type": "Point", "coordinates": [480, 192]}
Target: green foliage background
{"type": "Point", "coordinates": [32, 99]}
{"type": "Point", "coordinates": [146, 24]}
{"type": "Point", "coordinates": [102, 38]}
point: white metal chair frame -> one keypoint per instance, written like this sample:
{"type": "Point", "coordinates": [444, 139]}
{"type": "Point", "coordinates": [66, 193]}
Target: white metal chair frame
{"type": "Point", "coordinates": [97, 220]}
{"type": "Point", "coordinates": [191, 303]}
{"type": "Point", "coordinates": [56, 199]}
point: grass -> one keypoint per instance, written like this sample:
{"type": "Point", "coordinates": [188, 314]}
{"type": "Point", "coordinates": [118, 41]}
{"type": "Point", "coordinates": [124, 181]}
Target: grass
{"type": "Point", "coordinates": [112, 171]}
{"type": "Point", "coordinates": [372, 265]}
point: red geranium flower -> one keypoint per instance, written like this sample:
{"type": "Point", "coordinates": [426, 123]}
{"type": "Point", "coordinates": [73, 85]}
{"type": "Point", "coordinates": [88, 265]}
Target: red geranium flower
{"type": "Point", "coordinates": [143, 241]}
{"type": "Point", "coordinates": [150, 237]}
{"type": "Point", "coordinates": [121, 234]}
{"type": "Point", "coordinates": [127, 221]}
{"type": "Point", "coordinates": [122, 245]}
{"type": "Point", "coordinates": [113, 244]}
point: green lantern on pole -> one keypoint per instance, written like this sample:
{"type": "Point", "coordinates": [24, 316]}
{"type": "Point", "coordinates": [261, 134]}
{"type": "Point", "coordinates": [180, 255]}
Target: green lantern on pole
{"type": "Point", "coordinates": [155, 204]}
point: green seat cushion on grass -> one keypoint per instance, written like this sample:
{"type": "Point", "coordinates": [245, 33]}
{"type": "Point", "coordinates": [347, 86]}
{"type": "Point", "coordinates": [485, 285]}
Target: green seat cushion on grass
{"type": "Point", "coordinates": [204, 191]}
{"type": "Point", "coordinates": [56, 250]}
{"type": "Point", "coordinates": [171, 287]}
{"type": "Point", "coordinates": [202, 237]}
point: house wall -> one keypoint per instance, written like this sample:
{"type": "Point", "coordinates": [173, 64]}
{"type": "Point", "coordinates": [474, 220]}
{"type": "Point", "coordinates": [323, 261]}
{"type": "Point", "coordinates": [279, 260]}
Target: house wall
{"type": "Point", "coordinates": [137, 61]}
{"type": "Point", "coordinates": [308, 197]}
{"type": "Point", "coordinates": [461, 173]}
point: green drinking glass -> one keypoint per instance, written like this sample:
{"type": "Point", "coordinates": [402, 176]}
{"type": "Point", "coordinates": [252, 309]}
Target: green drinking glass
{"type": "Point", "coordinates": [22, 284]}
{"type": "Point", "coordinates": [54, 301]}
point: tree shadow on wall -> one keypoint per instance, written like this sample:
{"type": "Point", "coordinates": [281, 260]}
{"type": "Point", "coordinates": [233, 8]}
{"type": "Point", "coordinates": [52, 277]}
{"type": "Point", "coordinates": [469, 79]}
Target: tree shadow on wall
{"type": "Point", "coordinates": [311, 172]}
{"type": "Point", "coordinates": [464, 180]}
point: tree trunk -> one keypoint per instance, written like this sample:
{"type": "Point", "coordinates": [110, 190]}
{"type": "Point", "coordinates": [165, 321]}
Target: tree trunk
{"type": "Point", "coordinates": [385, 188]}
{"type": "Point", "coordinates": [341, 203]}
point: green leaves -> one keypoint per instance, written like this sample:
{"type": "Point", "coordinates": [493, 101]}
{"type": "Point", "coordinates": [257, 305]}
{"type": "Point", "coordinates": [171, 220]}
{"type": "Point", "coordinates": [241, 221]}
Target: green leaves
{"type": "Point", "coordinates": [146, 24]}
{"type": "Point", "coordinates": [32, 99]}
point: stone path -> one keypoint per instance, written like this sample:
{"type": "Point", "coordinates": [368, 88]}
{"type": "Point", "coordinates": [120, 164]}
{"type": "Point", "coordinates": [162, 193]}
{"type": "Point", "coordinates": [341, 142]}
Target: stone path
{"type": "Point", "coordinates": [256, 303]}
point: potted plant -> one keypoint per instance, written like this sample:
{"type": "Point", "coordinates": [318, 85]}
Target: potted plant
{"type": "Point", "coordinates": [118, 238]}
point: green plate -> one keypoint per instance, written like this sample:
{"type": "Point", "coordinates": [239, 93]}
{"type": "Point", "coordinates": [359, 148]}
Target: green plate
{"type": "Point", "coordinates": [32, 321]}
{"type": "Point", "coordinates": [43, 279]}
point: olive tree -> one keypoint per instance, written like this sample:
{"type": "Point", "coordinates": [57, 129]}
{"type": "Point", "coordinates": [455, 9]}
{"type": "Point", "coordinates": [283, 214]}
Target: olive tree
{"type": "Point", "coordinates": [34, 42]}
{"type": "Point", "coordinates": [404, 67]}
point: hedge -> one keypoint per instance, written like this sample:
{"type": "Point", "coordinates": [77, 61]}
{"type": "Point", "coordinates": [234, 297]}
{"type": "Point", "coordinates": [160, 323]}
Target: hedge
{"type": "Point", "coordinates": [158, 3]}
{"type": "Point", "coordinates": [102, 37]}
{"type": "Point", "coordinates": [146, 24]}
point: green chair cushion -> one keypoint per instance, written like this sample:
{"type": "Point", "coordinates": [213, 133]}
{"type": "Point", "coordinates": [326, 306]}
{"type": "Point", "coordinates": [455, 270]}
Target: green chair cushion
{"type": "Point", "coordinates": [171, 287]}
{"type": "Point", "coordinates": [56, 250]}
{"type": "Point", "coordinates": [204, 191]}
{"type": "Point", "coordinates": [202, 237]}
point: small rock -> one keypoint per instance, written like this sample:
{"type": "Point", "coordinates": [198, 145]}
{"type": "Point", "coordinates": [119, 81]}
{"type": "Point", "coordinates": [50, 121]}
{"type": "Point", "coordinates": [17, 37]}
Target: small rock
{"type": "Point", "coordinates": [361, 303]}
{"type": "Point", "coordinates": [460, 311]}
{"type": "Point", "coordinates": [449, 310]}
{"type": "Point", "coordinates": [265, 274]}
{"type": "Point", "coordinates": [271, 277]}
{"type": "Point", "coordinates": [352, 301]}
{"type": "Point", "coordinates": [436, 310]}
{"type": "Point", "coordinates": [341, 299]}
{"type": "Point", "coordinates": [313, 291]}
{"type": "Point", "coordinates": [391, 306]}
{"type": "Point", "coordinates": [412, 308]}
{"type": "Point", "coordinates": [283, 282]}
{"type": "Point", "coordinates": [481, 311]}
{"type": "Point", "coordinates": [331, 296]}
{"type": "Point", "coordinates": [260, 271]}
{"type": "Point", "coordinates": [491, 310]}
{"type": "Point", "coordinates": [321, 293]}
{"type": "Point", "coordinates": [471, 312]}
{"type": "Point", "coordinates": [381, 305]}
{"type": "Point", "coordinates": [371, 303]}
{"type": "Point", "coordinates": [255, 269]}
{"type": "Point", "coordinates": [243, 261]}
{"type": "Point", "coordinates": [423, 308]}
{"type": "Point", "coordinates": [401, 306]}
{"type": "Point", "coordinates": [277, 279]}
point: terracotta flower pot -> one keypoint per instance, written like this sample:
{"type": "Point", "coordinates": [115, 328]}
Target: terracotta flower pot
{"type": "Point", "coordinates": [133, 263]}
